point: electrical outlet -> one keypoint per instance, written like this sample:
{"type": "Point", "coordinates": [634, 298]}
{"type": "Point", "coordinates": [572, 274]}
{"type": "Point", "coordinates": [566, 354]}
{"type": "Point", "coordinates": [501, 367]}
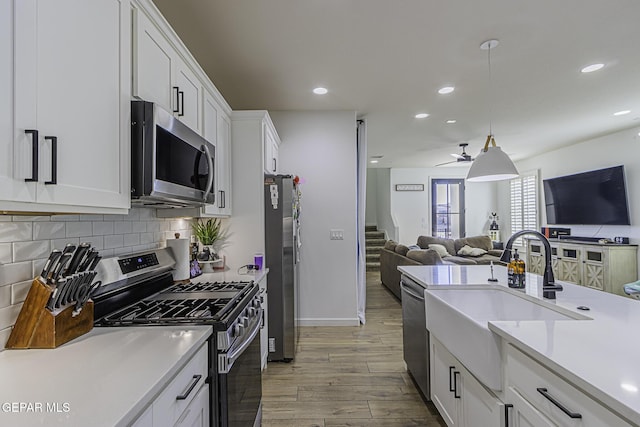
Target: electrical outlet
{"type": "Point", "coordinates": [336, 234]}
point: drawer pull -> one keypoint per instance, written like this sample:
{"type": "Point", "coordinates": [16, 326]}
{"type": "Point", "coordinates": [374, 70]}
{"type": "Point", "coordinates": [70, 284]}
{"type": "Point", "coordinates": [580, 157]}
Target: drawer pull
{"type": "Point", "coordinates": [543, 391]}
{"type": "Point", "coordinates": [507, 406]}
{"type": "Point", "coordinates": [451, 386]}
{"type": "Point", "coordinates": [184, 395]}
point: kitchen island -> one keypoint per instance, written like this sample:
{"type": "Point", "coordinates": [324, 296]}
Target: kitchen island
{"type": "Point", "coordinates": [106, 377]}
{"type": "Point", "coordinates": [594, 356]}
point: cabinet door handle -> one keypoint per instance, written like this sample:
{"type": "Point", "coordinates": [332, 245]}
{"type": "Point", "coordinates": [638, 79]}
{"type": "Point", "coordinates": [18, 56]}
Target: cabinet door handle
{"type": "Point", "coordinates": [507, 406]}
{"type": "Point", "coordinates": [275, 165]}
{"type": "Point", "coordinates": [177, 90]}
{"type": "Point", "coordinates": [34, 154]}
{"type": "Point", "coordinates": [189, 389]}
{"type": "Point", "coordinates": [54, 159]}
{"type": "Point", "coordinates": [455, 385]}
{"type": "Point", "coordinates": [543, 391]}
{"type": "Point", "coordinates": [222, 199]}
{"type": "Point", "coordinates": [451, 386]}
{"type": "Point", "coordinates": [181, 96]}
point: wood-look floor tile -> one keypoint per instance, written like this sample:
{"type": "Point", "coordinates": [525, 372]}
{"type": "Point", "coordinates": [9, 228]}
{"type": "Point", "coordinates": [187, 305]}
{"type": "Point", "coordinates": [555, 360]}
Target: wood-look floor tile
{"type": "Point", "coordinates": [328, 393]}
{"type": "Point", "coordinates": [314, 409]}
{"type": "Point", "coordinates": [348, 376]}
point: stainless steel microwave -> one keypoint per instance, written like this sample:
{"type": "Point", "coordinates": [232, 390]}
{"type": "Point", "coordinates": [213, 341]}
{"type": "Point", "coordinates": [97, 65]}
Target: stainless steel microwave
{"type": "Point", "coordinates": [171, 165]}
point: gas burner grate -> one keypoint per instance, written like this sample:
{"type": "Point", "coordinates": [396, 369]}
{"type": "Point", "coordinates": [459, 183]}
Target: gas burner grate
{"type": "Point", "coordinates": [167, 311]}
{"type": "Point", "coordinates": [209, 287]}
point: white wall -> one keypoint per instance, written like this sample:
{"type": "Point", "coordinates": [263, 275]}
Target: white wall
{"type": "Point", "coordinates": [320, 147]}
{"type": "Point", "coordinates": [371, 214]}
{"type": "Point", "coordinates": [412, 209]}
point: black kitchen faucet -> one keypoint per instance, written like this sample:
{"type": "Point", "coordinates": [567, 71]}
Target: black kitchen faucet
{"type": "Point", "coordinates": [549, 287]}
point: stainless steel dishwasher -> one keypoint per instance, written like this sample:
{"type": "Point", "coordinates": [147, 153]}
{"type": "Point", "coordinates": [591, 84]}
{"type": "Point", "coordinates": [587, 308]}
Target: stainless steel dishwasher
{"type": "Point", "coordinates": [415, 337]}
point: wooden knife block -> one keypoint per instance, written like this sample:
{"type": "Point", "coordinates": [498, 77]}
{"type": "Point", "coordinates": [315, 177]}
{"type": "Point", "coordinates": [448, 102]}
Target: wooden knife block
{"type": "Point", "coordinates": [37, 327]}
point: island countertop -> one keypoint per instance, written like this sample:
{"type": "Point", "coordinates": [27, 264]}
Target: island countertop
{"type": "Point", "coordinates": [103, 378]}
{"type": "Point", "coordinates": [598, 355]}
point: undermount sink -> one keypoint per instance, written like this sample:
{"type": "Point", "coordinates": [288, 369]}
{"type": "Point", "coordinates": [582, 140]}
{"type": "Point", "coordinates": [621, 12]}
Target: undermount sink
{"type": "Point", "coordinates": [459, 318]}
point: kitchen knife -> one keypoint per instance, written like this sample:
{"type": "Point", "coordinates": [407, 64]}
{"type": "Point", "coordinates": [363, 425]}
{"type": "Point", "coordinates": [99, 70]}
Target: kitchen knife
{"type": "Point", "coordinates": [53, 258]}
{"type": "Point", "coordinates": [77, 257]}
{"type": "Point", "coordinates": [54, 300]}
{"type": "Point", "coordinates": [84, 297]}
{"type": "Point", "coordinates": [84, 265]}
{"type": "Point", "coordinates": [71, 283]}
{"type": "Point", "coordinates": [94, 263]}
{"type": "Point", "coordinates": [55, 273]}
{"type": "Point", "coordinates": [54, 266]}
{"type": "Point", "coordinates": [84, 282]}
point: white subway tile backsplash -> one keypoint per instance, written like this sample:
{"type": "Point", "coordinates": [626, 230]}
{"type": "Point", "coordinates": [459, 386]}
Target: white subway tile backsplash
{"type": "Point", "coordinates": [8, 315]}
{"type": "Point", "coordinates": [49, 230]}
{"type": "Point", "coordinates": [97, 242]}
{"type": "Point", "coordinates": [131, 239]}
{"type": "Point", "coordinates": [12, 273]}
{"type": "Point", "coordinates": [25, 243]}
{"type": "Point", "coordinates": [27, 218]}
{"type": "Point", "coordinates": [24, 251]}
{"type": "Point", "coordinates": [65, 218]}
{"type": "Point", "coordinates": [76, 229]}
{"type": "Point", "coordinates": [19, 291]}
{"type": "Point", "coordinates": [61, 243]}
{"type": "Point", "coordinates": [5, 253]}
{"type": "Point", "coordinates": [5, 296]}
{"type": "Point", "coordinates": [113, 241]}
{"type": "Point", "coordinates": [16, 231]}
{"type": "Point", "coordinates": [102, 228]}
{"type": "Point", "coordinates": [4, 336]}
{"type": "Point", "coordinates": [122, 227]}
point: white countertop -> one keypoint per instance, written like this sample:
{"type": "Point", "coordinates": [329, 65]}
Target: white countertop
{"type": "Point", "coordinates": [103, 378]}
{"type": "Point", "coordinates": [600, 355]}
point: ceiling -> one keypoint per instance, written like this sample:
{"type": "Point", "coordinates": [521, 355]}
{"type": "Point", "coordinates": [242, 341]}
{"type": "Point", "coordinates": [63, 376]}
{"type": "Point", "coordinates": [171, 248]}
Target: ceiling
{"type": "Point", "coordinates": [386, 60]}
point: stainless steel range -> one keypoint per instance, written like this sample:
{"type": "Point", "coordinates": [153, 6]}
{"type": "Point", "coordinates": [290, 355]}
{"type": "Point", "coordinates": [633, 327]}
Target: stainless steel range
{"type": "Point", "coordinates": [139, 290]}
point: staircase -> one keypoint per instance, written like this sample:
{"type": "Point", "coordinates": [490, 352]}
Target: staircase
{"type": "Point", "coordinates": [374, 242]}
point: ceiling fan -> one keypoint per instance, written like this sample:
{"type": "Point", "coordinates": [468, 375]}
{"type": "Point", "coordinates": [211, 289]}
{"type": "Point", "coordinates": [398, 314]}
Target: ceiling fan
{"type": "Point", "coordinates": [460, 158]}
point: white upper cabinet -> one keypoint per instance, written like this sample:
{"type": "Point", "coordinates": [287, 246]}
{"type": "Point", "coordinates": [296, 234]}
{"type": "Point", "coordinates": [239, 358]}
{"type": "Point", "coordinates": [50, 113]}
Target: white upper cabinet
{"type": "Point", "coordinates": [160, 75]}
{"type": "Point", "coordinates": [68, 143]}
{"type": "Point", "coordinates": [271, 144]}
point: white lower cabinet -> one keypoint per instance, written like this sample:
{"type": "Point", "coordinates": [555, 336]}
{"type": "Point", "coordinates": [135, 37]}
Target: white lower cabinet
{"type": "Point", "coordinates": [264, 332]}
{"type": "Point", "coordinates": [459, 397]}
{"type": "Point", "coordinates": [184, 400]}
{"type": "Point", "coordinates": [540, 397]}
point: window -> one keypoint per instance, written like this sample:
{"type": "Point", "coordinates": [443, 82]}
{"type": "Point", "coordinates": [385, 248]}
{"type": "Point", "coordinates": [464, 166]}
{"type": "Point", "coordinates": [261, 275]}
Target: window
{"type": "Point", "coordinates": [447, 208]}
{"type": "Point", "coordinates": [524, 206]}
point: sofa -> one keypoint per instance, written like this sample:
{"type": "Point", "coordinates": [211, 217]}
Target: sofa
{"type": "Point", "coordinates": [447, 251]}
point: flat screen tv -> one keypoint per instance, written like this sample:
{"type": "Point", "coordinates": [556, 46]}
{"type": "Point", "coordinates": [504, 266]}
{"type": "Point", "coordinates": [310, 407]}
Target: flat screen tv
{"type": "Point", "coordinates": [596, 198]}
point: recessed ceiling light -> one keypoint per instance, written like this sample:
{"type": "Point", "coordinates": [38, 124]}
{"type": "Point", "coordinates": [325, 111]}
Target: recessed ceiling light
{"type": "Point", "coordinates": [422, 116]}
{"type": "Point", "coordinates": [445, 90]}
{"type": "Point", "coordinates": [373, 161]}
{"type": "Point", "coordinates": [622, 113]}
{"type": "Point", "coordinates": [320, 90]}
{"type": "Point", "coordinates": [451, 121]}
{"type": "Point", "coordinates": [591, 68]}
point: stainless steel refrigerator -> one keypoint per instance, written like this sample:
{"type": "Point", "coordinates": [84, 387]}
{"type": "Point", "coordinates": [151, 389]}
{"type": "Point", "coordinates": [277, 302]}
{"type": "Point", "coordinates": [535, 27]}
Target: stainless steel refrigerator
{"type": "Point", "coordinates": [281, 218]}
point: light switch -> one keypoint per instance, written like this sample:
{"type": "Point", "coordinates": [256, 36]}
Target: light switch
{"type": "Point", "coordinates": [336, 234]}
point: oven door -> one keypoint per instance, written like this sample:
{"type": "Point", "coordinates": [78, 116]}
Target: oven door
{"type": "Point", "coordinates": [169, 160]}
{"type": "Point", "coordinates": [240, 380]}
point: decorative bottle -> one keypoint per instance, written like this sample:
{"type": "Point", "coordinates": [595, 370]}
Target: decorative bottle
{"type": "Point", "coordinates": [516, 272]}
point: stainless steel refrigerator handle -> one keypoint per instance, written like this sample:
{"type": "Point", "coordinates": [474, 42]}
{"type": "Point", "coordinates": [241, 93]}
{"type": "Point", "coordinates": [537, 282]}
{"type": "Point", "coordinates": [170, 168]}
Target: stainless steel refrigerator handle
{"type": "Point", "coordinates": [211, 172]}
{"type": "Point", "coordinates": [233, 356]}
{"type": "Point", "coordinates": [409, 290]}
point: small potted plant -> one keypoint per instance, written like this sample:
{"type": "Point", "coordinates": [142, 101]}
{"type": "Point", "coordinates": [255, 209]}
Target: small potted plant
{"type": "Point", "coordinates": [210, 235]}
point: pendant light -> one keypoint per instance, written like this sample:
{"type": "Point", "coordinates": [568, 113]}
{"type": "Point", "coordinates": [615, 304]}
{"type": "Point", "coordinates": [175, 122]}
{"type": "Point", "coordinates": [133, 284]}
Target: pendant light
{"type": "Point", "coordinates": [492, 164]}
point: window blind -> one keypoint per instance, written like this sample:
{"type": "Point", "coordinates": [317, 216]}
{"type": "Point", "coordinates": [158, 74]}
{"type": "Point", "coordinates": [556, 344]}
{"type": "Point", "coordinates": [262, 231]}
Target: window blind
{"type": "Point", "coordinates": [524, 211]}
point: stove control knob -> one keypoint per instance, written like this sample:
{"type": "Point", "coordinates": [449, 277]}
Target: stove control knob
{"type": "Point", "coordinates": [256, 302]}
{"type": "Point", "coordinates": [237, 329]}
{"type": "Point", "coordinates": [251, 311]}
{"type": "Point", "coordinates": [244, 321]}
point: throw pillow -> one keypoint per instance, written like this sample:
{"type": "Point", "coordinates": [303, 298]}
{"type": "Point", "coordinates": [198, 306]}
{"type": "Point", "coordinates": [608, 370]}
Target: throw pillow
{"type": "Point", "coordinates": [442, 251]}
{"type": "Point", "coordinates": [390, 244]}
{"type": "Point", "coordinates": [402, 249]}
{"type": "Point", "coordinates": [467, 250]}
{"type": "Point", "coordinates": [425, 256]}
